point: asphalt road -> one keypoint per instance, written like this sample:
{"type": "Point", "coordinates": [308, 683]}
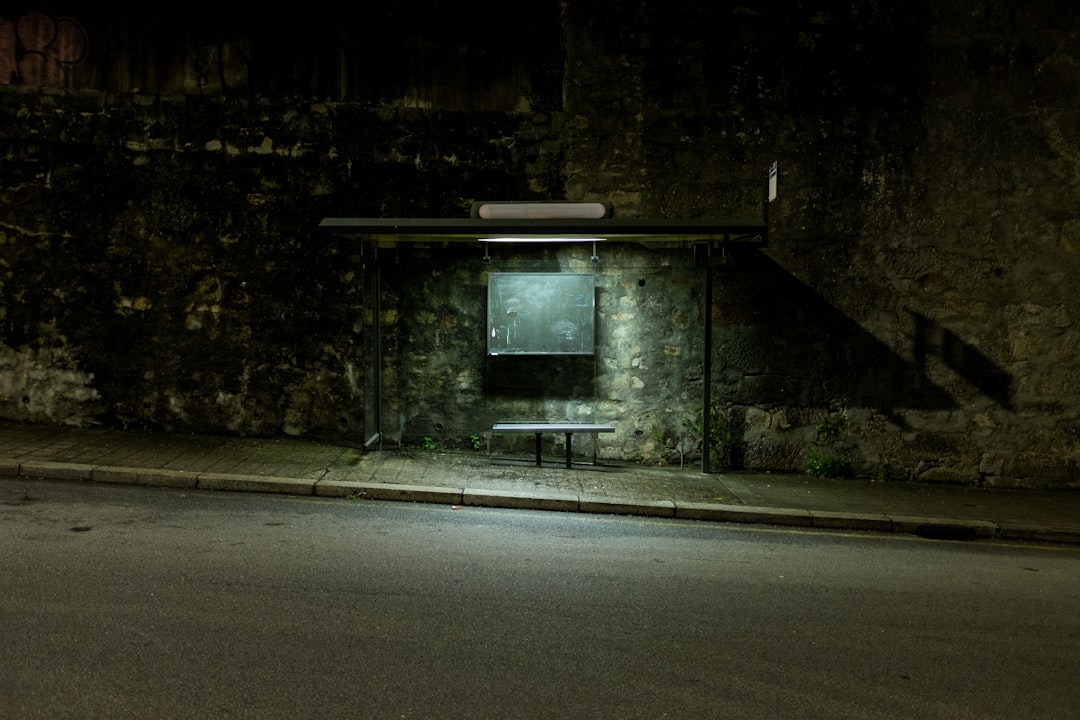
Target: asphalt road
{"type": "Point", "coordinates": [135, 602]}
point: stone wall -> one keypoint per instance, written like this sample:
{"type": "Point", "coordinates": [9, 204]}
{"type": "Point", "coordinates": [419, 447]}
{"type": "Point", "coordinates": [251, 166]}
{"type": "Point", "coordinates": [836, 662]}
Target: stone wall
{"type": "Point", "coordinates": [645, 374]}
{"type": "Point", "coordinates": [913, 317]}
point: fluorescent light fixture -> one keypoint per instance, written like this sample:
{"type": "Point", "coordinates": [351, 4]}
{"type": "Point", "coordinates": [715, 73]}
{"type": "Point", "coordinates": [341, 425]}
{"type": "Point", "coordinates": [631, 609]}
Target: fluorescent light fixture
{"type": "Point", "coordinates": [510, 210]}
{"type": "Point", "coordinates": [553, 239]}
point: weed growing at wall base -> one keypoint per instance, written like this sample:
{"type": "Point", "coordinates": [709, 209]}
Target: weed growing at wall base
{"type": "Point", "coordinates": [726, 430]}
{"type": "Point", "coordinates": [826, 464]}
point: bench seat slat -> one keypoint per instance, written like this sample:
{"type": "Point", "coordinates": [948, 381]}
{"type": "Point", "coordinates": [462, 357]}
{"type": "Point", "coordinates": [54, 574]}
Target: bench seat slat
{"type": "Point", "coordinates": [553, 427]}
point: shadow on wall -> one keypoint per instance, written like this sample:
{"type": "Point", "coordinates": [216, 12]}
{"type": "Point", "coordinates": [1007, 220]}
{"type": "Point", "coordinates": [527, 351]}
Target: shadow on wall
{"type": "Point", "coordinates": [541, 376]}
{"type": "Point", "coordinates": [775, 340]}
{"type": "Point", "coordinates": [932, 340]}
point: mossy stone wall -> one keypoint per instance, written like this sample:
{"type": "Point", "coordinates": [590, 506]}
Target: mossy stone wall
{"type": "Point", "coordinates": [914, 315]}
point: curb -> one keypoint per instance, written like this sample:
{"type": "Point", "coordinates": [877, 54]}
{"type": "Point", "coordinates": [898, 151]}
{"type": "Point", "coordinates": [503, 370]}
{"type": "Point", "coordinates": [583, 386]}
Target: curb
{"type": "Point", "coordinates": [936, 528]}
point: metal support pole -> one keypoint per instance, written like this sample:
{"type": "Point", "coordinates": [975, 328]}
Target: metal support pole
{"type": "Point", "coordinates": [706, 411]}
{"type": "Point", "coordinates": [376, 331]}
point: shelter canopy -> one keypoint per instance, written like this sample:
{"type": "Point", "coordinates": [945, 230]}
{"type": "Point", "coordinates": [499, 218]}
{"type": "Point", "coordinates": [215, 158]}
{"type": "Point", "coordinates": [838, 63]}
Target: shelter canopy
{"type": "Point", "coordinates": [751, 232]}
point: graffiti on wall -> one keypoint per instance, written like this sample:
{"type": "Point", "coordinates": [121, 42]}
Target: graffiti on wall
{"type": "Point", "coordinates": [37, 49]}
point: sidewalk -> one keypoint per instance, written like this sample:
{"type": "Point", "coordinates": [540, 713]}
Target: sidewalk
{"type": "Point", "coordinates": [303, 467]}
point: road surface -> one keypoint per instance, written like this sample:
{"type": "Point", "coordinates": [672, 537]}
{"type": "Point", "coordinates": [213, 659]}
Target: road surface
{"type": "Point", "coordinates": [133, 602]}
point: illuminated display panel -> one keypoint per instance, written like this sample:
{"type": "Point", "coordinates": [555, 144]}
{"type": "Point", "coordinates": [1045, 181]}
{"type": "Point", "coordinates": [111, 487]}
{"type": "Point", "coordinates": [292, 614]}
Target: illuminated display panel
{"type": "Point", "coordinates": [541, 314]}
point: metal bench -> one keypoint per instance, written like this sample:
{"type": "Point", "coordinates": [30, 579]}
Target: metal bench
{"type": "Point", "coordinates": [539, 428]}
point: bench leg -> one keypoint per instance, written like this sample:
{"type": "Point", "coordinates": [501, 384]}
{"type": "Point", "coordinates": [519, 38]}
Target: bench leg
{"type": "Point", "coordinates": [538, 449]}
{"type": "Point", "coordinates": [568, 436]}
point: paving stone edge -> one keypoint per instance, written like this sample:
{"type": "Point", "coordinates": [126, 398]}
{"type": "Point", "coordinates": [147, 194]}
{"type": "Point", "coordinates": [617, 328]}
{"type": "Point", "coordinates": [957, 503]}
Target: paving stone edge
{"type": "Point", "coordinates": [566, 502]}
